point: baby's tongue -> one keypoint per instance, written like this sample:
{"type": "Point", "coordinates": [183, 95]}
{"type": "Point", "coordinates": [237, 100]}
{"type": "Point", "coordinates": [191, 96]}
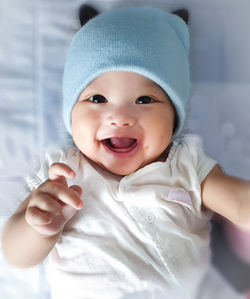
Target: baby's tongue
{"type": "Point", "coordinates": [121, 142]}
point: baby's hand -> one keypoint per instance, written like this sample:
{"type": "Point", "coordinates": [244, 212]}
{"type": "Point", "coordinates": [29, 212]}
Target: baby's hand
{"type": "Point", "coordinates": [53, 203]}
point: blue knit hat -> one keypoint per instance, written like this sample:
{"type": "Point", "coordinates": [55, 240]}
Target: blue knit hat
{"type": "Point", "coordinates": [144, 40]}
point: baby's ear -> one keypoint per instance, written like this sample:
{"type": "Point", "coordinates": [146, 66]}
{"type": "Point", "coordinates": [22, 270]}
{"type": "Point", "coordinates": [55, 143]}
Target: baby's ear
{"type": "Point", "coordinates": [86, 13]}
{"type": "Point", "coordinates": [182, 13]}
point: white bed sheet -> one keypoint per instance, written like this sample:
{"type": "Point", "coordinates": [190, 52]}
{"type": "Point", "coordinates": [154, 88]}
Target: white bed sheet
{"type": "Point", "coordinates": [34, 36]}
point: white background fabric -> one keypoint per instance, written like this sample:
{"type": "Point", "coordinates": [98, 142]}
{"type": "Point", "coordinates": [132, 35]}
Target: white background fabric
{"type": "Point", "coordinates": [34, 36]}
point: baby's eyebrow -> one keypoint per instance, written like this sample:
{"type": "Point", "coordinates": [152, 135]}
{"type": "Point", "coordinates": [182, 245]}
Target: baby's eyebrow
{"type": "Point", "coordinates": [151, 84]}
{"type": "Point", "coordinates": [154, 88]}
{"type": "Point", "coordinates": [87, 91]}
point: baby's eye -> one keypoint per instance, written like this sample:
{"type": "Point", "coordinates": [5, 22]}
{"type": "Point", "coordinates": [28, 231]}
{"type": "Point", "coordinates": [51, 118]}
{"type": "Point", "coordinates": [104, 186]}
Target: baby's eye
{"type": "Point", "coordinates": [144, 100]}
{"type": "Point", "coordinates": [98, 98]}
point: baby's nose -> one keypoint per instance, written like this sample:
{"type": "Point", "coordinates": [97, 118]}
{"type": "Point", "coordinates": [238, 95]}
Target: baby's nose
{"type": "Point", "coordinates": [120, 123]}
{"type": "Point", "coordinates": [121, 119]}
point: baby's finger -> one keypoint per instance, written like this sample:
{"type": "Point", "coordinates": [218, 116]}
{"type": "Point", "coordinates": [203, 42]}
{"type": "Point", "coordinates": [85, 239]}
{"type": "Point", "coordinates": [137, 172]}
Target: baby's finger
{"type": "Point", "coordinates": [77, 189]}
{"type": "Point", "coordinates": [46, 203]}
{"type": "Point", "coordinates": [62, 193]}
{"type": "Point", "coordinates": [68, 212]}
{"type": "Point", "coordinates": [34, 216]}
{"type": "Point", "coordinates": [57, 171]}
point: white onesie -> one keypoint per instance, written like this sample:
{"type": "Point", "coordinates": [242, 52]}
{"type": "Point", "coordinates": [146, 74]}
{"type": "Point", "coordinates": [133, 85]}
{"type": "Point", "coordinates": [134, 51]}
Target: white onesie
{"type": "Point", "coordinates": [144, 235]}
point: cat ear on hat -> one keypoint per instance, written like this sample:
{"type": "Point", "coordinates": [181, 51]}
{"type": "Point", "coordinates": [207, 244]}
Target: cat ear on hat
{"type": "Point", "coordinates": [86, 13]}
{"type": "Point", "coordinates": [182, 13]}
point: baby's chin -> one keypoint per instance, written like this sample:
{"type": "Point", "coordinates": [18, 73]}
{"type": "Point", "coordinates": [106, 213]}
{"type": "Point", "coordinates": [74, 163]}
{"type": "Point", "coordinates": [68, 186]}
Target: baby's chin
{"type": "Point", "coordinates": [123, 171]}
{"type": "Point", "coordinates": [120, 171]}
{"type": "Point", "coordinates": [126, 169]}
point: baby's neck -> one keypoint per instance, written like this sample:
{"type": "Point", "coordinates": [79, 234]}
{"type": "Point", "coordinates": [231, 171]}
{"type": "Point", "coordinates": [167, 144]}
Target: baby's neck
{"type": "Point", "coordinates": [163, 157]}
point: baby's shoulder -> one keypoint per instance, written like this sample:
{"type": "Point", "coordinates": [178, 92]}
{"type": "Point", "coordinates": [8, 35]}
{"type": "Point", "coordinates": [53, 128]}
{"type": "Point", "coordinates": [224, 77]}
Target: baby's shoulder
{"type": "Point", "coordinates": [190, 154]}
{"type": "Point", "coordinates": [62, 155]}
{"type": "Point", "coordinates": [68, 155]}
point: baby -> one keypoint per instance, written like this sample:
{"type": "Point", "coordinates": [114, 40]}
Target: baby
{"type": "Point", "coordinates": [125, 213]}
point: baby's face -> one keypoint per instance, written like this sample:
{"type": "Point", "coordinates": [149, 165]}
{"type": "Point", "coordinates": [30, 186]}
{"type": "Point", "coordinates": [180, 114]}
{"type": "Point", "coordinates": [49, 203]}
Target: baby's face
{"type": "Point", "coordinates": [122, 121]}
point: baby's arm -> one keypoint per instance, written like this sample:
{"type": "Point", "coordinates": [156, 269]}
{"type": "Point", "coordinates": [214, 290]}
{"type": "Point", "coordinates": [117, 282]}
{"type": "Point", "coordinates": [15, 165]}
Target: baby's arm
{"type": "Point", "coordinates": [227, 196]}
{"type": "Point", "coordinates": [31, 233]}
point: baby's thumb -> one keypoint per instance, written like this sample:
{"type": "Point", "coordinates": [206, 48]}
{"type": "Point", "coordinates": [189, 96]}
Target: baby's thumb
{"type": "Point", "coordinates": [77, 189]}
{"type": "Point", "coordinates": [68, 212]}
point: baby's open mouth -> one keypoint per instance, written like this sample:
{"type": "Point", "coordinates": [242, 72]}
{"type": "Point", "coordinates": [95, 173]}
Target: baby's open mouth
{"type": "Point", "coordinates": [120, 145]}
